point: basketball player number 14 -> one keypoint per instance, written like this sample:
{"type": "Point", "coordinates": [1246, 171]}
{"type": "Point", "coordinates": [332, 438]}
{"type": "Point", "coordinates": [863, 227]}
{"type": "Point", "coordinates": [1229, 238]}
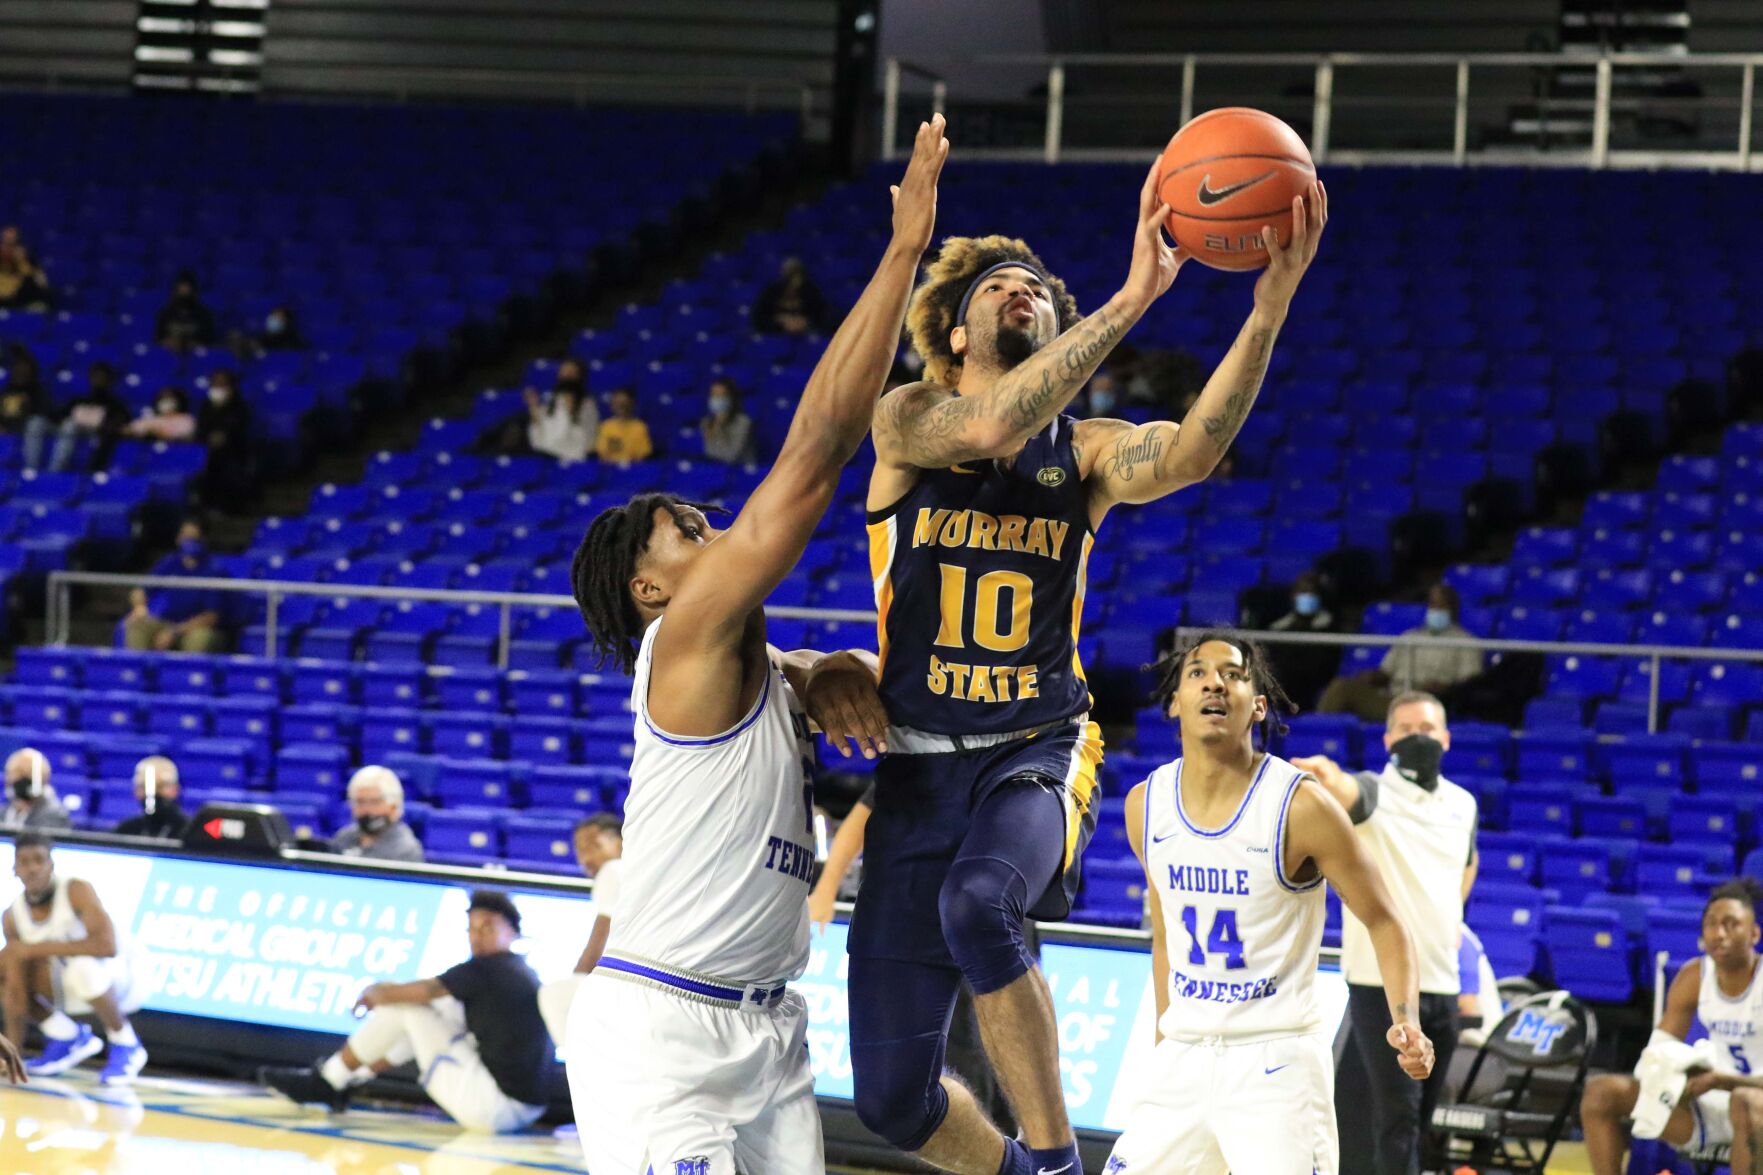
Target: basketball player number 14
{"type": "Point", "coordinates": [1222, 941]}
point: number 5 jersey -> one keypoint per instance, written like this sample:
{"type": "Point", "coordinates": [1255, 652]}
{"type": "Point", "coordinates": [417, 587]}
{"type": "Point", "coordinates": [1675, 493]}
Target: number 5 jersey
{"type": "Point", "coordinates": [1242, 937]}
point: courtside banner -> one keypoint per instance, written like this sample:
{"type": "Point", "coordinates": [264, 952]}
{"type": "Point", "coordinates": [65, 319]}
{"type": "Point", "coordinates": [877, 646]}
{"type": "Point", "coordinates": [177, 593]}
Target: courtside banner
{"type": "Point", "coordinates": [268, 944]}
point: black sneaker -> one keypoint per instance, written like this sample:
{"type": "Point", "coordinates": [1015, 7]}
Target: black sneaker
{"type": "Point", "coordinates": [305, 1086]}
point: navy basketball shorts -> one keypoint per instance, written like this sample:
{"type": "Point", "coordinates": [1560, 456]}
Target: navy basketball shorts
{"type": "Point", "coordinates": [924, 817]}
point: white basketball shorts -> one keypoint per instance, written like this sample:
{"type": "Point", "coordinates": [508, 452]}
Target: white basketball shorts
{"type": "Point", "coordinates": [670, 1084]}
{"type": "Point", "coordinates": [1265, 1108]}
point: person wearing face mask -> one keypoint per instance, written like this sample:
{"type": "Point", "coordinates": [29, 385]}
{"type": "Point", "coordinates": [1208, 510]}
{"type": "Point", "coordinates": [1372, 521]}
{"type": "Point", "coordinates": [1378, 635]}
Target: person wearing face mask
{"type": "Point", "coordinates": [156, 795]}
{"type": "Point", "coordinates": [1416, 664]}
{"type": "Point", "coordinates": [376, 798]}
{"type": "Point", "coordinates": [1103, 399]}
{"type": "Point", "coordinates": [223, 424]}
{"type": "Point", "coordinates": [184, 321]}
{"type": "Point", "coordinates": [185, 619]}
{"type": "Point", "coordinates": [726, 430]}
{"type": "Point", "coordinates": [280, 332]}
{"type": "Point", "coordinates": [31, 798]}
{"type": "Point", "coordinates": [1305, 669]}
{"type": "Point", "coordinates": [1419, 828]}
{"type": "Point", "coordinates": [170, 418]}
{"type": "Point", "coordinates": [566, 423]}
{"type": "Point", "coordinates": [99, 414]}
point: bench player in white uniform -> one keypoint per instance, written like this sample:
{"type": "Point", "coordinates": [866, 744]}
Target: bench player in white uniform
{"type": "Point", "coordinates": [1236, 845]}
{"type": "Point", "coordinates": [687, 1052]}
{"type": "Point", "coordinates": [64, 955]}
{"type": "Point", "coordinates": [1724, 990]}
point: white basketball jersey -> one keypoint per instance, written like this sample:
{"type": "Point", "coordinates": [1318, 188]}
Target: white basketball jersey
{"type": "Point", "coordinates": [62, 925]}
{"type": "Point", "coordinates": [1733, 1022]}
{"type": "Point", "coordinates": [719, 840]}
{"type": "Point", "coordinates": [1243, 939]}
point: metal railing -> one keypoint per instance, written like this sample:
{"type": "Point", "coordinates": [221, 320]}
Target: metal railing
{"type": "Point", "coordinates": [58, 605]}
{"type": "Point", "coordinates": [1655, 655]}
{"type": "Point", "coordinates": [1324, 102]}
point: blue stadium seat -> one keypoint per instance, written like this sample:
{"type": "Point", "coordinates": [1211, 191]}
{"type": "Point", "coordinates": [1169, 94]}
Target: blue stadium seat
{"type": "Point", "coordinates": [1681, 872]}
{"type": "Point", "coordinates": [1334, 735]}
{"type": "Point", "coordinates": [1552, 754]}
{"type": "Point", "coordinates": [461, 782]}
{"type": "Point", "coordinates": [1511, 857]}
{"type": "Point", "coordinates": [1540, 808]}
{"type": "Point", "coordinates": [467, 734]}
{"type": "Point", "coordinates": [1509, 920]}
{"type": "Point", "coordinates": [472, 832]}
{"type": "Point", "coordinates": [542, 740]}
{"type": "Point", "coordinates": [586, 788]}
{"type": "Point", "coordinates": [540, 843]}
{"type": "Point", "coordinates": [1607, 816]}
{"type": "Point", "coordinates": [1588, 952]}
{"type": "Point", "coordinates": [312, 767]}
{"type": "Point", "coordinates": [391, 730]}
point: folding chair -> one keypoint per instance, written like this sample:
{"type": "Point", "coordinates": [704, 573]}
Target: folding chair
{"type": "Point", "coordinates": [1543, 1044]}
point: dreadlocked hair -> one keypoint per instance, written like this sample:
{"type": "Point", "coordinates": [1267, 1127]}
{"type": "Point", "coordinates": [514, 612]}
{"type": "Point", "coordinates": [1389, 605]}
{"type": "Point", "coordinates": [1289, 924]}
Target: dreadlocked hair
{"type": "Point", "coordinates": [604, 563]}
{"type": "Point", "coordinates": [1168, 672]}
{"type": "Point", "coordinates": [1740, 889]}
{"type": "Point", "coordinates": [931, 315]}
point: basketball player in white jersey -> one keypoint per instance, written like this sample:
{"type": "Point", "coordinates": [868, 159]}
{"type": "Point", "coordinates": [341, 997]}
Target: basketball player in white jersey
{"type": "Point", "coordinates": [63, 954]}
{"type": "Point", "coordinates": [1722, 990]}
{"type": "Point", "coordinates": [687, 1052]}
{"type": "Point", "coordinates": [1236, 845]}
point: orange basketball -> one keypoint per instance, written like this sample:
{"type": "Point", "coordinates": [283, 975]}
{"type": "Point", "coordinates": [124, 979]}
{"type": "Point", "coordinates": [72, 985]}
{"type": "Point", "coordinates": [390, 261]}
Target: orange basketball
{"type": "Point", "coordinates": [1224, 175]}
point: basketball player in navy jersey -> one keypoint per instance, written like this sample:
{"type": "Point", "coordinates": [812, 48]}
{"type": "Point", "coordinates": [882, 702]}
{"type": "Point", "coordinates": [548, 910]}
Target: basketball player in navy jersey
{"type": "Point", "coordinates": [982, 508]}
{"type": "Point", "coordinates": [1236, 844]}
{"type": "Point", "coordinates": [690, 998]}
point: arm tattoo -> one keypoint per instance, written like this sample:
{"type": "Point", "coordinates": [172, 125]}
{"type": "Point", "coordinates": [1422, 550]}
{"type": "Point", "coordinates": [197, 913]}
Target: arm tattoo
{"type": "Point", "coordinates": [1030, 408]}
{"type": "Point", "coordinates": [1402, 1012]}
{"type": "Point", "coordinates": [1139, 451]}
{"type": "Point", "coordinates": [1222, 428]}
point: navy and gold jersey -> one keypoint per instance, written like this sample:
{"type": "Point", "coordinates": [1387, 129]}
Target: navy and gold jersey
{"type": "Point", "coordinates": [979, 586]}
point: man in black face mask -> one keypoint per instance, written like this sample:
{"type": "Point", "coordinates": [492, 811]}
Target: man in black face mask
{"type": "Point", "coordinates": [376, 797]}
{"type": "Point", "coordinates": [31, 801]}
{"type": "Point", "coordinates": [156, 794]}
{"type": "Point", "coordinates": [1419, 828]}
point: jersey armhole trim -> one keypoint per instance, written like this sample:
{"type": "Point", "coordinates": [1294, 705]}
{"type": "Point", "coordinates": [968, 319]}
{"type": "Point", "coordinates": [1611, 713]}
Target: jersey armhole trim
{"type": "Point", "coordinates": [686, 742]}
{"type": "Point", "coordinates": [1279, 844]}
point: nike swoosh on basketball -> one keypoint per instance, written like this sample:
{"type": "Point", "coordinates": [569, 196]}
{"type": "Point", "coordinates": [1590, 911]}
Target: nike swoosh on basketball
{"type": "Point", "coordinates": [1277, 1068]}
{"type": "Point", "coordinates": [1209, 195]}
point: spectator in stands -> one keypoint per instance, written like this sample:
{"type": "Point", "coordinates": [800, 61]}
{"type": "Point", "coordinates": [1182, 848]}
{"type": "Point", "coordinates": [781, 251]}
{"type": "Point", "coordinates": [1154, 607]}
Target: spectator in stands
{"type": "Point", "coordinates": [64, 957]}
{"type": "Point", "coordinates": [1419, 829]}
{"type": "Point", "coordinates": [474, 1032]}
{"type": "Point", "coordinates": [23, 284]}
{"type": "Point", "coordinates": [169, 419]}
{"type": "Point", "coordinates": [376, 798]}
{"type": "Point", "coordinates": [184, 321]}
{"type": "Point", "coordinates": [156, 794]}
{"type": "Point", "coordinates": [1723, 977]}
{"type": "Point", "coordinates": [1305, 669]}
{"type": "Point", "coordinates": [31, 801]}
{"type": "Point", "coordinates": [624, 438]}
{"type": "Point", "coordinates": [23, 397]}
{"type": "Point", "coordinates": [792, 304]}
{"type": "Point", "coordinates": [1103, 397]}
{"type": "Point", "coordinates": [99, 414]}
{"type": "Point", "coordinates": [565, 424]}
{"type": "Point", "coordinates": [281, 331]}
{"type": "Point", "coordinates": [726, 430]}
{"type": "Point", "coordinates": [599, 850]}
{"type": "Point", "coordinates": [223, 424]}
{"type": "Point", "coordinates": [185, 619]}
{"type": "Point", "coordinates": [1410, 665]}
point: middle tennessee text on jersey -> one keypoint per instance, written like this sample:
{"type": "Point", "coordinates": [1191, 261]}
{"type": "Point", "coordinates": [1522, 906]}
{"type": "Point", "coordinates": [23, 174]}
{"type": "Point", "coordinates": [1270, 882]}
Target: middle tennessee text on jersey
{"type": "Point", "coordinates": [979, 577]}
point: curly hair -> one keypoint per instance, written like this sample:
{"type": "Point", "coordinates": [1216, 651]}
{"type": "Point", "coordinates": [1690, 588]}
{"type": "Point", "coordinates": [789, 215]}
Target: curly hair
{"type": "Point", "coordinates": [931, 316]}
{"type": "Point", "coordinates": [1255, 660]}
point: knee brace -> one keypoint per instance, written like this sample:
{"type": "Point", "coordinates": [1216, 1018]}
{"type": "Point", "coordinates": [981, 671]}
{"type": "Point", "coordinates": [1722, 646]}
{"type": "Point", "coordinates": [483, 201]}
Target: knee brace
{"type": "Point", "coordinates": [892, 1100]}
{"type": "Point", "coordinates": [982, 904]}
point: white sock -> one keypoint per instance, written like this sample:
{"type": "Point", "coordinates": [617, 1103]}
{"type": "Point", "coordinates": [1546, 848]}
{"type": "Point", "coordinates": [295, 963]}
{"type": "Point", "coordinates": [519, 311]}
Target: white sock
{"type": "Point", "coordinates": [124, 1036]}
{"type": "Point", "coordinates": [336, 1074]}
{"type": "Point", "coordinates": [59, 1026]}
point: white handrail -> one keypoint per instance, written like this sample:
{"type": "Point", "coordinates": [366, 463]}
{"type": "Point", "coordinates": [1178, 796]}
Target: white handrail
{"type": "Point", "coordinates": [1056, 143]}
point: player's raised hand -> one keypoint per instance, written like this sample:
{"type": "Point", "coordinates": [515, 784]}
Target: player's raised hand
{"type": "Point", "coordinates": [1413, 1050]}
{"type": "Point", "coordinates": [841, 698]}
{"type": "Point", "coordinates": [1287, 262]}
{"type": "Point", "coordinates": [915, 196]}
{"type": "Point", "coordinates": [1155, 261]}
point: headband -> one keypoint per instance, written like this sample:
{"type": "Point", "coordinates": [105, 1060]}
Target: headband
{"type": "Point", "coordinates": [961, 314]}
